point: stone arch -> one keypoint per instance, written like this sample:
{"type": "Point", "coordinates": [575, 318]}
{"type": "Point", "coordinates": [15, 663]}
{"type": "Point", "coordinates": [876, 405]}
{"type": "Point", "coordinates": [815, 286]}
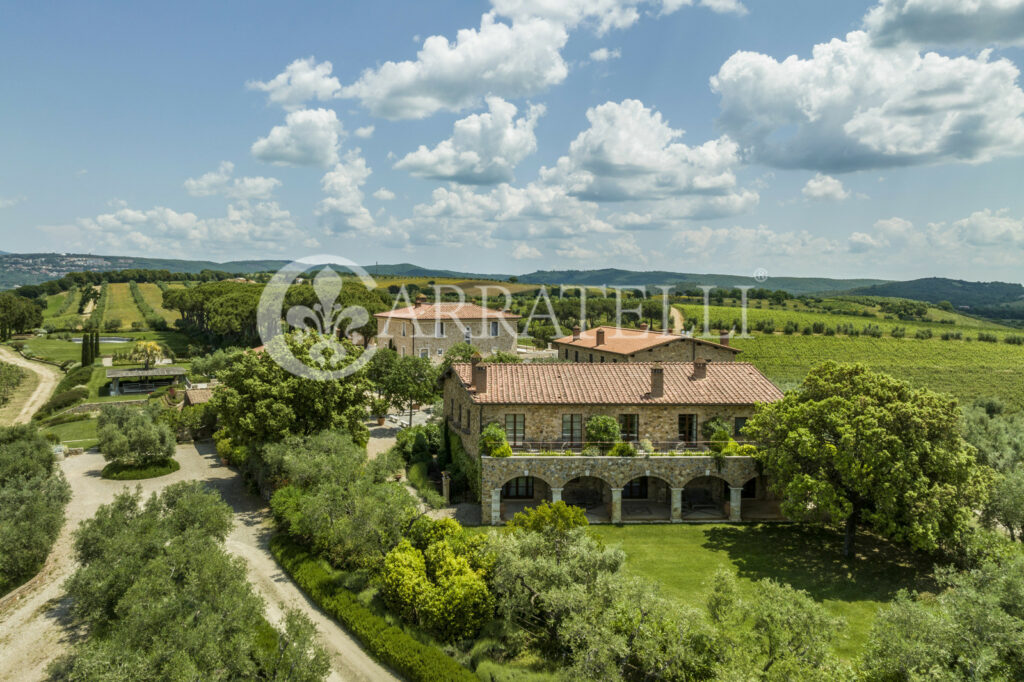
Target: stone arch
{"type": "Point", "coordinates": [521, 492]}
{"type": "Point", "coordinates": [704, 497]}
{"type": "Point", "coordinates": [647, 498]}
{"type": "Point", "coordinates": [591, 493]}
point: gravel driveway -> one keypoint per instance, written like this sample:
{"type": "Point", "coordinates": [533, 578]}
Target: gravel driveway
{"type": "Point", "coordinates": [49, 377]}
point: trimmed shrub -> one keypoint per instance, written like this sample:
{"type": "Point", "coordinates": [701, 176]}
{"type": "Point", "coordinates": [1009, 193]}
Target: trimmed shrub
{"type": "Point", "coordinates": [390, 645]}
{"type": "Point", "coordinates": [492, 439]}
{"type": "Point", "coordinates": [76, 377]}
{"type": "Point", "coordinates": [62, 401]}
{"type": "Point", "coordinates": [621, 449]}
{"type": "Point", "coordinates": [123, 472]}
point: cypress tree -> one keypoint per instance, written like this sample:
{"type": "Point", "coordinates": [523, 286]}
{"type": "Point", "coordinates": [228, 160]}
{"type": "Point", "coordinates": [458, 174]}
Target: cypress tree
{"type": "Point", "coordinates": [86, 345]}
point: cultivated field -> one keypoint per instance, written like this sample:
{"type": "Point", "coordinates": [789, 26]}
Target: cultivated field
{"type": "Point", "coordinates": [152, 294]}
{"type": "Point", "coordinates": [121, 306]}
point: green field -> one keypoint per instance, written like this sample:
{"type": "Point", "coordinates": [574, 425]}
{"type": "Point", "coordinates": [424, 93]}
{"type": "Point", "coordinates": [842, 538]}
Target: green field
{"type": "Point", "coordinates": [80, 434]}
{"type": "Point", "coordinates": [121, 306]}
{"type": "Point", "coordinates": [681, 558]}
{"type": "Point", "coordinates": [965, 369]}
{"type": "Point", "coordinates": [152, 294]}
{"type": "Point", "coordinates": [796, 312]}
{"type": "Point", "coordinates": [53, 304]}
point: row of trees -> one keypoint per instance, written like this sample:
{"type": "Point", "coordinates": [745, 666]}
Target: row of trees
{"type": "Point", "coordinates": [152, 318]}
{"type": "Point", "coordinates": [90, 347]}
{"type": "Point", "coordinates": [88, 279]}
{"type": "Point", "coordinates": [10, 377]}
{"type": "Point", "coordinates": [33, 494]}
{"type": "Point", "coordinates": [160, 598]}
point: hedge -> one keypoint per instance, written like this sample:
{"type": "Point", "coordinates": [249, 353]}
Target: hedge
{"type": "Point", "coordinates": [464, 468]}
{"type": "Point", "coordinates": [62, 400]}
{"type": "Point", "coordinates": [390, 645]}
{"type": "Point", "coordinates": [417, 475]}
{"type": "Point", "coordinates": [76, 377]}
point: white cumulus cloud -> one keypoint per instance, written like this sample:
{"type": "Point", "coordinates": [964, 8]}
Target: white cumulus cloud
{"type": "Point", "coordinates": [603, 54]}
{"type": "Point", "coordinates": [309, 137]}
{"type": "Point", "coordinates": [365, 132]}
{"type": "Point", "coordinates": [501, 59]}
{"type": "Point", "coordinates": [220, 182]}
{"type": "Point", "coordinates": [483, 149]}
{"type": "Point", "coordinates": [384, 194]}
{"type": "Point", "coordinates": [855, 106]}
{"type": "Point", "coordinates": [301, 81]}
{"type": "Point", "coordinates": [825, 187]}
{"type": "Point", "coordinates": [523, 251]}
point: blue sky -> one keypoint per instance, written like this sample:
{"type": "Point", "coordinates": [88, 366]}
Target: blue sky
{"type": "Point", "coordinates": [874, 139]}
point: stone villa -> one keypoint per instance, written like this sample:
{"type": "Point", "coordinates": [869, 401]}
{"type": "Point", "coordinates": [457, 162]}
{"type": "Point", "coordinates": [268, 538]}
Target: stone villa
{"type": "Point", "coordinates": [544, 409]}
{"type": "Point", "coordinates": [617, 344]}
{"type": "Point", "coordinates": [430, 329]}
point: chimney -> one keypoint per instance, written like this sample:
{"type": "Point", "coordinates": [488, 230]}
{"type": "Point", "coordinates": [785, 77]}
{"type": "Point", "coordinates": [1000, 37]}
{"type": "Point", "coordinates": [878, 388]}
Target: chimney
{"type": "Point", "coordinates": [724, 337]}
{"type": "Point", "coordinates": [576, 333]}
{"type": "Point", "coordinates": [657, 381]}
{"type": "Point", "coordinates": [600, 337]}
{"type": "Point", "coordinates": [700, 368]}
{"type": "Point", "coordinates": [420, 300]}
{"type": "Point", "coordinates": [643, 326]}
{"type": "Point", "coordinates": [480, 377]}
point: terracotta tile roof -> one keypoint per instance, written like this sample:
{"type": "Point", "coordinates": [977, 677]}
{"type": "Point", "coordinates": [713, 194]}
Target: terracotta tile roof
{"type": "Point", "coordinates": [197, 396]}
{"type": "Point", "coordinates": [627, 341]}
{"type": "Point", "coordinates": [621, 383]}
{"type": "Point", "coordinates": [449, 311]}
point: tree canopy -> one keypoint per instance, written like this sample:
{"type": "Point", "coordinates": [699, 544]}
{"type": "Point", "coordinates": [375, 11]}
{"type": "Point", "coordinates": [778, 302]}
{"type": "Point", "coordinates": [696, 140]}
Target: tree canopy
{"type": "Point", "coordinates": [852, 447]}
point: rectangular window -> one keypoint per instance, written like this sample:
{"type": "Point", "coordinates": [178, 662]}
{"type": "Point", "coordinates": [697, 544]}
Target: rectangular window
{"type": "Point", "coordinates": [566, 353]}
{"type": "Point", "coordinates": [403, 329]}
{"type": "Point", "coordinates": [439, 329]}
{"type": "Point", "coordinates": [494, 328]}
{"type": "Point", "coordinates": [688, 428]}
{"type": "Point", "coordinates": [519, 488]}
{"type": "Point", "coordinates": [515, 428]}
{"type": "Point", "coordinates": [424, 352]}
{"type": "Point", "coordinates": [572, 428]}
{"type": "Point", "coordinates": [629, 425]}
{"type": "Point", "coordinates": [591, 357]}
{"type": "Point", "coordinates": [459, 421]}
{"type": "Point", "coordinates": [576, 355]}
{"type": "Point", "coordinates": [635, 489]}
{"type": "Point", "coordinates": [440, 352]}
{"type": "Point", "coordinates": [738, 425]}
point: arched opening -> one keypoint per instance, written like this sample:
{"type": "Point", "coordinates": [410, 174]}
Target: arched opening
{"type": "Point", "coordinates": [704, 499]}
{"type": "Point", "coordinates": [522, 493]}
{"type": "Point", "coordinates": [647, 498]}
{"type": "Point", "coordinates": [759, 504]}
{"type": "Point", "coordinates": [592, 495]}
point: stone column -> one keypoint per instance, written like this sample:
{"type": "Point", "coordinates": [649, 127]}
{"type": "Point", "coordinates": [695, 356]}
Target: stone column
{"type": "Point", "coordinates": [616, 505]}
{"type": "Point", "coordinates": [677, 504]}
{"type": "Point", "coordinates": [734, 503]}
{"type": "Point", "coordinates": [556, 495]}
{"type": "Point", "coordinates": [496, 507]}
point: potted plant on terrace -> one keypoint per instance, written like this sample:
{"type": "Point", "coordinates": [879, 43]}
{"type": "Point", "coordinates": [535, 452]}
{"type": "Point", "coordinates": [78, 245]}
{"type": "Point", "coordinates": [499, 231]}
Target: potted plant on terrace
{"type": "Point", "coordinates": [379, 408]}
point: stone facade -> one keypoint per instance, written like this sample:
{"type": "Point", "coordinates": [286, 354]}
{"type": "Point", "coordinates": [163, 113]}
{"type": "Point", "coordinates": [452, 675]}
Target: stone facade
{"type": "Point", "coordinates": [432, 338]}
{"type": "Point", "coordinates": [681, 350]}
{"type": "Point", "coordinates": [668, 478]}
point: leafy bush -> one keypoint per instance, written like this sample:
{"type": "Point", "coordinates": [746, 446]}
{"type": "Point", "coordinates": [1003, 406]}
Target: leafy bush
{"type": "Point", "coordinates": [622, 449]}
{"type": "Point", "coordinates": [492, 438]}
{"type": "Point", "coordinates": [417, 475]}
{"type": "Point", "coordinates": [418, 443]}
{"type": "Point", "coordinates": [987, 338]}
{"type": "Point", "coordinates": [923, 334]}
{"type": "Point", "coordinates": [1014, 339]}
{"type": "Point", "coordinates": [61, 401]}
{"type": "Point", "coordinates": [465, 470]}
{"type": "Point", "coordinates": [602, 431]}
{"type": "Point", "coordinates": [123, 472]}
{"type": "Point", "coordinates": [405, 655]}
{"type": "Point", "coordinates": [76, 377]}
{"type": "Point", "coordinates": [131, 437]}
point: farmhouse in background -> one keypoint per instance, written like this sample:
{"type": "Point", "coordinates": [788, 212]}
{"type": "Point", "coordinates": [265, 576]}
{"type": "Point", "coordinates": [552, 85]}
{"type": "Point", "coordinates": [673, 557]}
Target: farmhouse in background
{"type": "Point", "coordinates": [429, 329]}
{"type": "Point", "coordinates": [617, 344]}
{"type": "Point", "coordinates": [661, 407]}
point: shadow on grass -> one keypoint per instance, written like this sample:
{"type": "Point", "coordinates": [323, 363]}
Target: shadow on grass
{"type": "Point", "coordinates": [811, 559]}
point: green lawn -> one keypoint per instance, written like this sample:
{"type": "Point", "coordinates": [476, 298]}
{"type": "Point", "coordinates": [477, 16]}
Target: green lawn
{"type": "Point", "coordinates": [80, 434]}
{"type": "Point", "coordinates": [681, 558]}
{"type": "Point", "coordinates": [965, 369]}
{"type": "Point", "coordinates": [58, 350]}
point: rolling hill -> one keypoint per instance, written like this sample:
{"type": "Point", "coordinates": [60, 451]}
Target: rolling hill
{"type": "Point", "coordinates": [960, 293]}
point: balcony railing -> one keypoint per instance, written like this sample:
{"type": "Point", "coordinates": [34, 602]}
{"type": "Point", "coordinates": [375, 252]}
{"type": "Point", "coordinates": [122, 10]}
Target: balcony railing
{"type": "Point", "coordinates": [538, 447]}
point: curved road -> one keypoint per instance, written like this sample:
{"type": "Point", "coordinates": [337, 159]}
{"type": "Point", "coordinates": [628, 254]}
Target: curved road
{"type": "Point", "coordinates": [49, 377]}
{"type": "Point", "coordinates": [34, 627]}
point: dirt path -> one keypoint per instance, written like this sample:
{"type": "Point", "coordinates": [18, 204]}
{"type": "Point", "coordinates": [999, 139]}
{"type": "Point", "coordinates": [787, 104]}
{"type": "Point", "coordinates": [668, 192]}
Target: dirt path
{"type": "Point", "coordinates": [678, 323]}
{"type": "Point", "coordinates": [34, 627]}
{"type": "Point", "coordinates": [49, 377]}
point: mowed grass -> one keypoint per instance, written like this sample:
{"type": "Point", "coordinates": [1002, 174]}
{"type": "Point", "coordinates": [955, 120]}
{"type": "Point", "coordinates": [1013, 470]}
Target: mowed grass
{"type": "Point", "coordinates": [682, 558]}
{"type": "Point", "coordinates": [121, 306]}
{"type": "Point", "coordinates": [53, 304]}
{"type": "Point", "coordinates": [80, 434]}
{"type": "Point", "coordinates": [967, 370]}
{"type": "Point", "coordinates": [59, 350]}
{"type": "Point", "coordinates": [152, 294]}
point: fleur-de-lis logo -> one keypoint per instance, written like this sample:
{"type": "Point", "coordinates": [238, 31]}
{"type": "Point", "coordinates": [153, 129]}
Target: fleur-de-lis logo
{"type": "Point", "coordinates": [326, 321]}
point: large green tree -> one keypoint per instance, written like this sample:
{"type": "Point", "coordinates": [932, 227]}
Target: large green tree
{"type": "Point", "coordinates": [133, 437]}
{"type": "Point", "coordinates": [411, 380]}
{"type": "Point", "coordinates": [852, 447]}
{"type": "Point", "coordinates": [260, 402]}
